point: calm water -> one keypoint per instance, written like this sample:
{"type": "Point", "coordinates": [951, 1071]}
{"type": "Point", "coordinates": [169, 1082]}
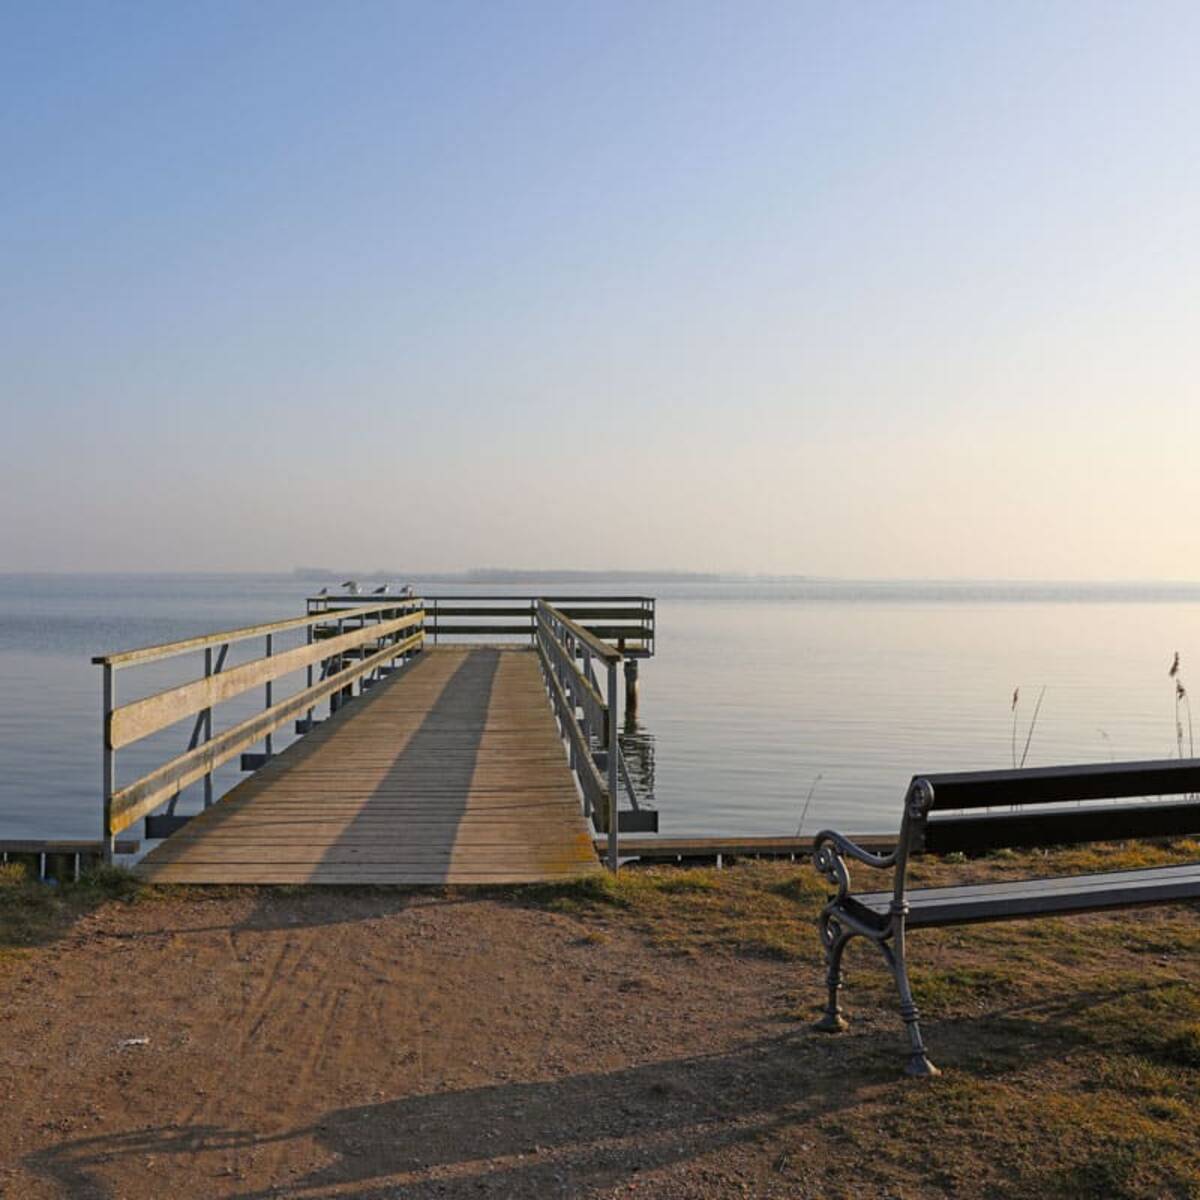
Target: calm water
{"type": "Point", "coordinates": [760, 693]}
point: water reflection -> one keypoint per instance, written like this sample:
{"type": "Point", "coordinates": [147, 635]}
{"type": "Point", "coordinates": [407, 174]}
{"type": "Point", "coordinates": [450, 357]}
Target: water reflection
{"type": "Point", "coordinates": [637, 745]}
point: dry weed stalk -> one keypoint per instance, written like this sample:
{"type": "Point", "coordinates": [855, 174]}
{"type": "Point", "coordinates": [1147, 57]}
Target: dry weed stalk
{"type": "Point", "coordinates": [1037, 708]}
{"type": "Point", "coordinates": [1183, 705]}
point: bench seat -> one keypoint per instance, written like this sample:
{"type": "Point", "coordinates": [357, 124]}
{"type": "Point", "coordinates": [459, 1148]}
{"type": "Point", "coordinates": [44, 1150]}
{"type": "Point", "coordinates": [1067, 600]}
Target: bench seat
{"type": "Point", "coordinates": [1030, 897]}
{"type": "Point", "coordinates": [982, 811]}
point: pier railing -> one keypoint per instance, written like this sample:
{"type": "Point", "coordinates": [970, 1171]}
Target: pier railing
{"type": "Point", "coordinates": [357, 643]}
{"type": "Point", "coordinates": [573, 659]}
{"type": "Point", "coordinates": [627, 623]}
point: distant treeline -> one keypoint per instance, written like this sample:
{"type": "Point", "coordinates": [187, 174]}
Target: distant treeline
{"type": "Point", "coordinates": [507, 575]}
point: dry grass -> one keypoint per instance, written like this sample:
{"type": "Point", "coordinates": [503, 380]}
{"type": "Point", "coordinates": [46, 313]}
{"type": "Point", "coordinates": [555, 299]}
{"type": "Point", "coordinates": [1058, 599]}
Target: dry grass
{"type": "Point", "coordinates": [33, 913]}
{"type": "Point", "coordinates": [1071, 1046]}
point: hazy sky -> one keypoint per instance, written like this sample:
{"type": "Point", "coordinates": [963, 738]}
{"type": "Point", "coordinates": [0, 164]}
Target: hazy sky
{"type": "Point", "coordinates": [863, 289]}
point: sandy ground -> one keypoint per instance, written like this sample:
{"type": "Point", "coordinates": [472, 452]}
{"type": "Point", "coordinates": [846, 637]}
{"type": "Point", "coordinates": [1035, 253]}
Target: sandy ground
{"type": "Point", "coordinates": [339, 1044]}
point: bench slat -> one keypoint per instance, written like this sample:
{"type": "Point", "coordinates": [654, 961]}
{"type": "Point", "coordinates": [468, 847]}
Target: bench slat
{"type": "Point", "coordinates": [1098, 823]}
{"type": "Point", "coordinates": [1058, 785]}
{"type": "Point", "coordinates": [1031, 897]}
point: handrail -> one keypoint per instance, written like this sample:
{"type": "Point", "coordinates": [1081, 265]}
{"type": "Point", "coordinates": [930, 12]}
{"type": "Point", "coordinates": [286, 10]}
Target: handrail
{"type": "Point", "coordinates": [602, 650]}
{"type": "Point", "coordinates": [140, 718]}
{"type": "Point", "coordinates": [624, 623]}
{"type": "Point", "coordinates": [145, 654]}
{"type": "Point", "coordinates": [397, 632]}
{"type": "Point", "coordinates": [573, 690]}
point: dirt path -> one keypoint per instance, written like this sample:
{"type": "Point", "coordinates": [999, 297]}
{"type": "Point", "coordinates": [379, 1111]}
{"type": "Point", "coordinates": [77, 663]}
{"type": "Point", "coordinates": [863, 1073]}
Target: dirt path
{"type": "Point", "coordinates": [641, 1036]}
{"type": "Point", "coordinates": [341, 1045]}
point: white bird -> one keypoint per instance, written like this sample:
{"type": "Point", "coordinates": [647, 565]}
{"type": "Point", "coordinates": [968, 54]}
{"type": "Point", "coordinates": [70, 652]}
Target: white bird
{"type": "Point", "coordinates": [408, 590]}
{"type": "Point", "coordinates": [351, 586]}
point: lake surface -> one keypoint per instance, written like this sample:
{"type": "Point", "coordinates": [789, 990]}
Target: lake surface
{"type": "Point", "coordinates": [761, 694]}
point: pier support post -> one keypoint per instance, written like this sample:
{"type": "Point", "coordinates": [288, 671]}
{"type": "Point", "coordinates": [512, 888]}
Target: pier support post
{"type": "Point", "coordinates": [631, 686]}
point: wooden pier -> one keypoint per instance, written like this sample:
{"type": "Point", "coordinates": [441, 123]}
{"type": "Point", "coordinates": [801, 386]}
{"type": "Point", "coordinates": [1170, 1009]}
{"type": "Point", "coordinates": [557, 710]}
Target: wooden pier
{"type": "Point", "coordinates": [454, 764]}
{"type": "Point", "coordinates": [449, 771]}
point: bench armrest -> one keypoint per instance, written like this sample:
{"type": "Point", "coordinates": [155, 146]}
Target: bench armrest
{"type": "Point", "coordinates": [831, 849]}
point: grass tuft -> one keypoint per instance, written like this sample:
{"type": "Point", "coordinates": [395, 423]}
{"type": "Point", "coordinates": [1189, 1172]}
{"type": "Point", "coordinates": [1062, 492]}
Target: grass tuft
{"type": "Point", "coordinates": [33, 912]}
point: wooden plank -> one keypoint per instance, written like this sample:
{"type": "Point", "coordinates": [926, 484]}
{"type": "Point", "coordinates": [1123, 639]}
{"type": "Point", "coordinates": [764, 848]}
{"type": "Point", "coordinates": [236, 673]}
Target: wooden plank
{"type": "Point", "coordinates": [517, 609]}
{"type": "Point", "coordinates": [145, 654]}
{"type": "Point", "coordinates": [526, 609]}
{"type": "Point", "coordinates": [450, 772]}
{"type": "Point", "coordinates": [731, 846]}
{"type": "Point", "coordinates": [1016, 899]}
{"type": "Point", "coordinates": [455, 630]}
{"type": "Point", "coordinates": [631, 634]}
{"type": "Point", "coordinates": [1058, 785]}
{"type": "Point", "coordinates": [584, 613]}
{"type": "Point", "coordinates": [1060, 827]}
{"type": "Point", "coordinates": [135, 800]}
{"type": "Point", "coordinates": [141, 718]}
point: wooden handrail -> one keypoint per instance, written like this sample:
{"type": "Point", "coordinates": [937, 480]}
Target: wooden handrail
{"type": "Point", "coordinates": [624, 622]}
{"type": "Point", "coordinates": [140, 718]}
{"type": "Point", "coordinates": [136, 799]}
{"type": "Point", "coordinates": [387, 630]}
{"type": "Point", "coordinates": [128, 658]}
{"type": "Point", "coordinates": [602, 650]}
{"type": "Point", "coordinates": [591, 782]}
{"type": "Point", "coordinates": [583, 691]}
{"type": "Point", "coordinates": [557, 637]}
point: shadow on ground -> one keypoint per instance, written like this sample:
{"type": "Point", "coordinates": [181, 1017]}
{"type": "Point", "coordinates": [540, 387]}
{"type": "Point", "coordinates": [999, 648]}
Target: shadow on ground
{"type": "Point", "coordinates": [527, 1139]}
{"type": "Point", "coordinates": [582, 1134]}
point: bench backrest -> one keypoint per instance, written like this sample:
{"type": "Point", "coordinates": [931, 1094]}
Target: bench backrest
{"type": "Point", "coordinates": [952, 825]}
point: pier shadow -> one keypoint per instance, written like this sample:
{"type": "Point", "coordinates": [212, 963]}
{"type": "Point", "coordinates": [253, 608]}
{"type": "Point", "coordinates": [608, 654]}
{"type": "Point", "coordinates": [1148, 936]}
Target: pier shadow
{"type": "Point", "coordinates": [436, 764]}
{"type": "Point", "coordinates": [439, 757]}
{"type": "Point", "coordinates": [525, 1139]}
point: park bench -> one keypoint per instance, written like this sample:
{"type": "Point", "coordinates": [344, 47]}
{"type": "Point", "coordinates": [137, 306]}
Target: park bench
{"type": "Point", "coordinates": [980, 811]}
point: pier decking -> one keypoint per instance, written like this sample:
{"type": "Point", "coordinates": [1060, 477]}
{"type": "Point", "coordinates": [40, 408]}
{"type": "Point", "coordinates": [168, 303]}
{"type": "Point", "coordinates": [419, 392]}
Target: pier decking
{"type": "Point", "coordinates": [449, 771]}
{"type": "Point", "coordinates": [456, 763]}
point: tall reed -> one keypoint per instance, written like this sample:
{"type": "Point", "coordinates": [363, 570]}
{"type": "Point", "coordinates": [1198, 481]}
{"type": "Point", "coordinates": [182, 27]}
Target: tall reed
{"type": "Point", "coordinates": [1183, 707]}
{"type": "Point", "coordinates": [1037, 708]}
{"type": "Point", "coordinates": [808, 801]}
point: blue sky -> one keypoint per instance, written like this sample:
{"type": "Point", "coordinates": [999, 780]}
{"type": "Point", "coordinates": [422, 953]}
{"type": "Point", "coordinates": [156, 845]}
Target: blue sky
{"type": "Point", "coordinates": [859, 289]}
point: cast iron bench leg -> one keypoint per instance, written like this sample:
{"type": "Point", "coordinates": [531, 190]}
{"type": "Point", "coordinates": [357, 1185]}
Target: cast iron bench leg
{"type": "Point", "coordinates": [835, 938]}
{"type": "Point", "coordinates": [918, 1061]}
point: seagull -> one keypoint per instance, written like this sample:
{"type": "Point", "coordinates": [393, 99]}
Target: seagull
{"type": "Point", "coordinates": [408, 590]}
{"type": "Point", "coordinates": [351, 587]}
{"type": "Point", "coordinates": [323, 592]}
{"type": "Point", "coordinates": [379, 591]}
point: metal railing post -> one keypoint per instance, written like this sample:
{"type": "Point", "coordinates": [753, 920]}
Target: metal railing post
{"type": "Point", "coordinates": [110, 764]}
{"type": "Point", "coordinates": [308, 640]}
{"type": "Point", "coordinates": [207, 729]}
{"type": "Point", "coordinates": [335, 665]}
{"type": "Point", "coordinates": [613, 751]}
{"type": "Point", "coordinates": [268, 692]}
